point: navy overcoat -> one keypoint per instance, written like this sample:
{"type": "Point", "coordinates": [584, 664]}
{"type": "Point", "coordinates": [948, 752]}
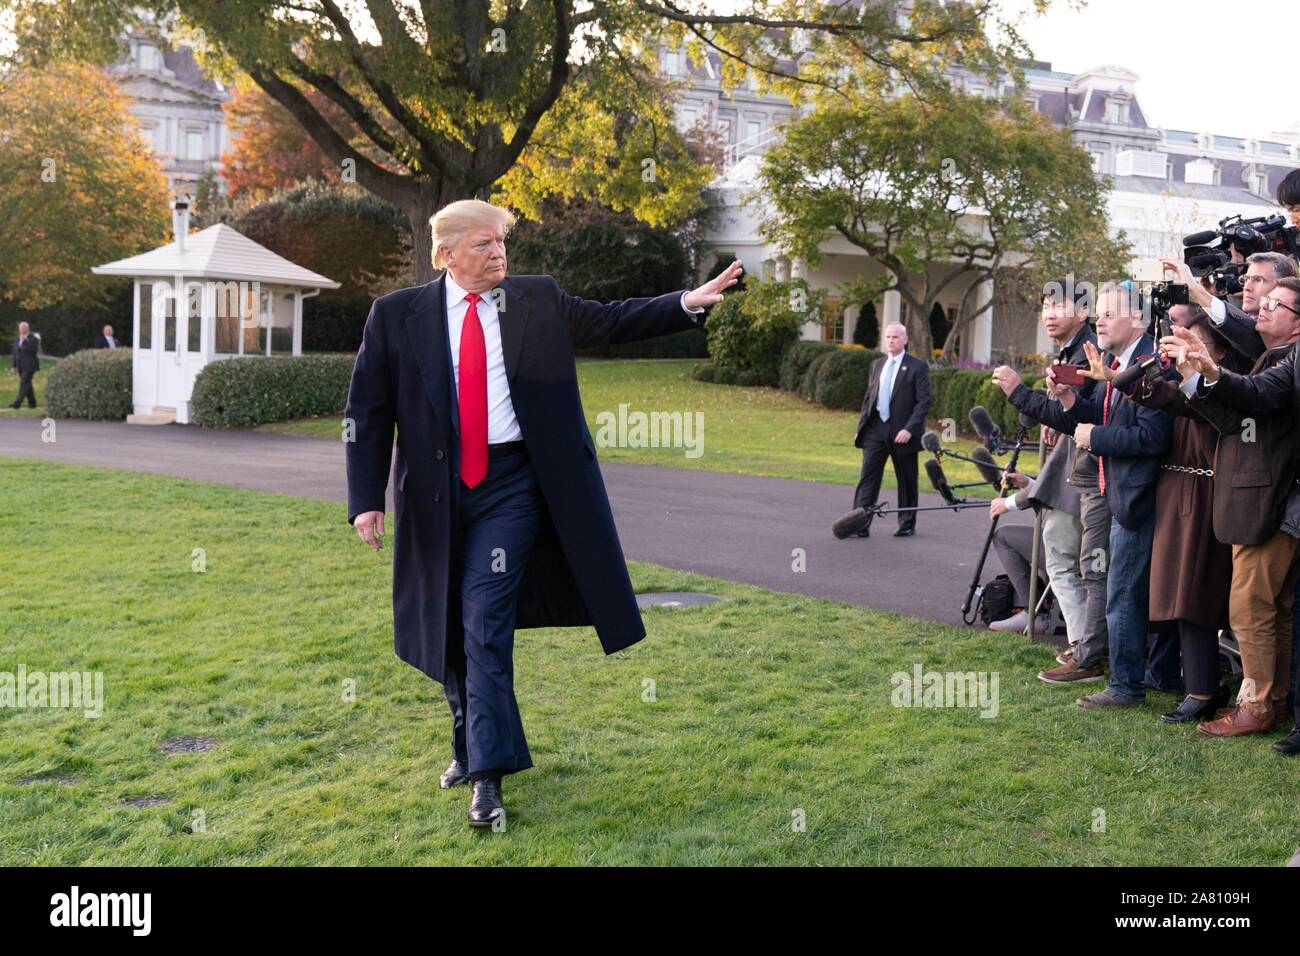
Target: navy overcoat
{"type": "Point", "coordinates": [403, 378]}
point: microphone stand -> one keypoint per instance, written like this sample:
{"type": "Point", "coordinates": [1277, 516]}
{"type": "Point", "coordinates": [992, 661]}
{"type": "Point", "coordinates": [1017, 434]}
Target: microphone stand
{"type": "Point", "coordinates": [1021, 432]}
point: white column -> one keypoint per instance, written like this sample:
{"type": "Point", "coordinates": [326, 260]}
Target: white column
{"type": "Point", "coordinates": [981, 337]}
{"type": "Point", "coordinates": [851, 315]}
{"type": "Point", "coordinates": [297, 322]}
{"type": "Point", "coordinates": [812, 330]}
{"type": "Point", "coordinates": [891, 313]}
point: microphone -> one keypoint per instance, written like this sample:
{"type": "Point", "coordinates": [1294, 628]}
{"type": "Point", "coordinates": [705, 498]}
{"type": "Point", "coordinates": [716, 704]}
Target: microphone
{"type": "Point", "coordinates": [930, 442]}
{"type": "Point", "coordinates": [987, 467]}
{"type": "Point", "coordinates": [1134, 372]}
{"type": "Point", "coordinates": [934, 471]}
{"type": "Point", "coordinates": [984, 426]}
{"type": "Point", "coordinates": [1200, 238]}
{"type": "Point", "coordinates": [1027, 421]}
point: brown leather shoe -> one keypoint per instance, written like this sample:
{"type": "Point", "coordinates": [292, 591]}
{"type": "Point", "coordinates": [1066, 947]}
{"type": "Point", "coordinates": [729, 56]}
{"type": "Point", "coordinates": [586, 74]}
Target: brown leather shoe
{"type": "Point", "coordinates": [1065, 656]}
{"type": "Point", "coordinates": [1237, 724]}
{"type": "Point", "coordinates": [1071, 673]}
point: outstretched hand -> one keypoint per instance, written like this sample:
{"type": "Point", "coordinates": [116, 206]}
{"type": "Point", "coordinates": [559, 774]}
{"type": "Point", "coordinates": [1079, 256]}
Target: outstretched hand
{"type": "Point", "coordinates": [1191, 354]}
{"type": "Point", "coordinates": [1097, 367]}
{"type": "Point", "coordinates": [711, 292]}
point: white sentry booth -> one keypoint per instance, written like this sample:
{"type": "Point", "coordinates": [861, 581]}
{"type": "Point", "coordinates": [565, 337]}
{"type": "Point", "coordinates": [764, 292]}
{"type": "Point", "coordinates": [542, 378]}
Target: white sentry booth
{"type": "Point", "coordinates": [202, 298]}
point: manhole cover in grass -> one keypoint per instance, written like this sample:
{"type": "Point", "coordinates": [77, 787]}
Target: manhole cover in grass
{"type": "Point", "coordinates": [32, 781]}
{"type": "Point", "coordinates": [187, 745]}
{"type": "Point", "coordinates": [151, 801]}
{"type": "Point", "coordinates": [675, 599]}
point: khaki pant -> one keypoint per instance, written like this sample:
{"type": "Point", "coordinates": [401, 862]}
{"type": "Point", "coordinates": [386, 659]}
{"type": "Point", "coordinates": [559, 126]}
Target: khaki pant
{"type": "Point", "coordinates": [1260, 612]}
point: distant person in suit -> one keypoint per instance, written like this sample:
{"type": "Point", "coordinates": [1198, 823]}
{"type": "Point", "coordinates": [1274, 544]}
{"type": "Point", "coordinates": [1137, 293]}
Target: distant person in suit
{"type": "Point", "coordinates": [106, 341]}
{"type": "Point", "coordinates": [893, 417]}
{"type": "Point", "coordinates": [25, 364]}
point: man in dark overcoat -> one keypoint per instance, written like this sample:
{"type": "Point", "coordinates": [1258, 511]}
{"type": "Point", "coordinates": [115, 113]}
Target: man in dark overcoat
{"type": "Point", "coordinates": [501, 515]}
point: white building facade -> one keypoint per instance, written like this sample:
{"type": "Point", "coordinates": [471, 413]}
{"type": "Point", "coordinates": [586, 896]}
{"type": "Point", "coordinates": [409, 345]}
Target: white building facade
{"type": "Point", "coordinates": [1165, 184]}
{"type": "Point", "coordinates": [179, 109]}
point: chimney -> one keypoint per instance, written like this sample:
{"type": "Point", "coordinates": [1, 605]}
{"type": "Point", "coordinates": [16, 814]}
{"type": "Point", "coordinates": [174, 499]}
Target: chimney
{"type": "Point", "coordinates": [180, 221]}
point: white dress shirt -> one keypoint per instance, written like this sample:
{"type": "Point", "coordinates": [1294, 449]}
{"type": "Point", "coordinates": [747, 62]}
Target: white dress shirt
{"type": "Point", "coordinates": [502, 425]}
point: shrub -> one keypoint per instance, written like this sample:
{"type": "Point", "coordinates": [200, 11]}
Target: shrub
{"type": "Point", "coordinates": [239, 392]}
{"type": "Point", "coordinates": [808, 384]}
{"type": "Point", "coordinates": [92, 383]}
{"type": "Point", "coordinates": [843, 378]}
{"type": "Point", "coordinates": [693, 343]}
{"type": "Point", "coordinates": [751, 330]}
{"type": "Point", "coordinates": [795, 361]}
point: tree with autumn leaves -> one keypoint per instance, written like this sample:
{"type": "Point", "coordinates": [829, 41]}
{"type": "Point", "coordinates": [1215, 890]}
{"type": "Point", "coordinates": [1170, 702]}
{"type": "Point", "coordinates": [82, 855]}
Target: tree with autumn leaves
{"type": "Point", "coordinates": [431, 102]}
{"type": "Point", "coordinates": [80, 187]}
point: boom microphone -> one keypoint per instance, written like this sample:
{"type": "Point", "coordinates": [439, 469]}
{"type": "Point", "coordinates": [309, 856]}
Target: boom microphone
{"type": "Point", "coordinates": [1027, 421]}
{"type": "Point", "coordinates": [1200, 238]}
{"type": "Point", "coordinates": [984, 426]}
{"type": "Point", "coordinates": [930, 442]}
{"type": "Point", "coordinates": [934, 471]}
{"type": "Point", "coordinates": [987, 467]}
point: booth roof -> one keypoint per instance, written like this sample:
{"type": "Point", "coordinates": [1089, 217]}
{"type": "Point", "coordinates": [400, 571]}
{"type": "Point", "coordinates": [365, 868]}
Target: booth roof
{"type": "Point", "coordinates": [217, 252]}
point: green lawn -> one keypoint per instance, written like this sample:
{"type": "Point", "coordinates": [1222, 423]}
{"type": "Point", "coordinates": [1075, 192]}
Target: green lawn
{"type": "Point", "coordinates": [765, 707]}
{"type": "Point", "coordinates": [9, 389]}
{"type": "Point", "coordinates": [751, 431]}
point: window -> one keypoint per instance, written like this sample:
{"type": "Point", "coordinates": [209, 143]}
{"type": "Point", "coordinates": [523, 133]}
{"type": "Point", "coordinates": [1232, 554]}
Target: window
{"type": "Point", "coordinates": [281, 321]}
{"type": "Point", "coordinates": [1259, 183]}
{"type": "Point", "coordinates": [1116, 111]}
{"type": "Point", "coordinates": [1098, 160]}
{"type": "Point", "coordinates": [144, 338]}
{"type": "Point", "coordinates": [150, 136]}
{"type": "Point", "coordinates": [833, 321]}
{"type": "Point", "coordinates": [147, 57]}
{"type": "Point", "coordinates": [1200, 171]}
{"type": "Point", "coordinates": [193, 144]}
{"type": "Point", "coordinates": [724, 127]}
{"type": "Point", "coordinates": [688, 118]}
{"type": "Point", "coordinates": [672, 63]}
{"type": "Point", "coordinates": [752, 129]}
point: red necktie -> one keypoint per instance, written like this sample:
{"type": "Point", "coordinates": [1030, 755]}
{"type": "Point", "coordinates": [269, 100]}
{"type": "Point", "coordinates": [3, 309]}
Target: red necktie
{"type": "Point", "coordinates": [1105, 416]}
{"type": "Point", "coordinates": [471, 392]}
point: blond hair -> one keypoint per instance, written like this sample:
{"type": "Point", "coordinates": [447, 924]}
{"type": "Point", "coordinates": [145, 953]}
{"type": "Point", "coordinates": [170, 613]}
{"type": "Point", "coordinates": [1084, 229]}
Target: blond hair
{"type": "Point", "coordinates": [451, 222]}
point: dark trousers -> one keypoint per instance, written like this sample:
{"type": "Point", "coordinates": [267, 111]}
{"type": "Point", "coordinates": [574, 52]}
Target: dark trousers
{"type": "Point", "coordinates": [876, 448]}
{"type": "Point", "coordinates": [1200, 650]}
{"type": "Point", "coordinates": [1128, 590]}
{"type": "Point", "coordinates": [1164, 648]}
{"type": "Point", "coordinates": [497, 523]}
{"type": "Point", "coordinates": [25, 389]}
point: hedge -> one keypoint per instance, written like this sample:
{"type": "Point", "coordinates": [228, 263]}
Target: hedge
{"type": "Point", "coordinates": [92, 383]}
{"type": "Point", "coordinates": [796, 359]}
{"type": "Point", "coordinates": [239, 392]}
{"type": "Point", "coordinates": [843, 378]}
{"type": "Point", "coordinates": [808, 382]}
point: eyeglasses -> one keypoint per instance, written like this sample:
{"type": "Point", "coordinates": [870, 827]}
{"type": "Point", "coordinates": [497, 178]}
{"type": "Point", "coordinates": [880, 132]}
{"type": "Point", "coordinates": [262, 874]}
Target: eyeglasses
{"type": "Point", "coordinates": [1253, 280]}
{"type": "Point", "coordinates": [1271, 303]}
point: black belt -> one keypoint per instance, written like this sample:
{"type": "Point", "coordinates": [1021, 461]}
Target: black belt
{"type": "Point", "coordinates": [507, 448]}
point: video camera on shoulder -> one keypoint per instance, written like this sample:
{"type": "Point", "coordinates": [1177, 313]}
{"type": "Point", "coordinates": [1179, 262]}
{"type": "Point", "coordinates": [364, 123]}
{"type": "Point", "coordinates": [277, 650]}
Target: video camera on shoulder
{"type": "Point", "coordinates": [1210, 252]}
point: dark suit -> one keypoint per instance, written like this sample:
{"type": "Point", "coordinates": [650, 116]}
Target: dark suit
{"type": "Point", "coordinates": [103, 343]}
{"type": "Point", "coordinates": [908, 403]}
{"type": "Point", "coordinates": [1238, 331]}
{"type": "Point", "coordinates": [26, 361]}
{"type": "Point", "coordinates": [456, 601]}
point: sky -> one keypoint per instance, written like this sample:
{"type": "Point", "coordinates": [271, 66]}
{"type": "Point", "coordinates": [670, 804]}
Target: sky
{"type": "Point", "coordinates": [1179, 47]}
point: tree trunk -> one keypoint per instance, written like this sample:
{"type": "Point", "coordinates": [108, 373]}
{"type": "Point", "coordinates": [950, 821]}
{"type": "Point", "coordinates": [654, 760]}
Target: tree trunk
{"type": "Point", "coordinates": [419, 209]}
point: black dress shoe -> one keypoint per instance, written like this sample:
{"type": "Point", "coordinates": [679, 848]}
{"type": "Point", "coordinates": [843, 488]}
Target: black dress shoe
{"type": "Point", "coordinates": [485, 806]}
{"type": "Point", "coordinates": [1190, 709]}
{"type": "Point", "coordinates": [1289, 746]}
{"type": "Point", "coordinates": [455, 774]}
{"type": "Point", "coordinates": [904, 532]}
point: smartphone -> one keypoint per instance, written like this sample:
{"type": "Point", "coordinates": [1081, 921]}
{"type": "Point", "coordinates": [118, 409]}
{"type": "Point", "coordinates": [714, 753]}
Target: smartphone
{"type": "Point", "coordinates": [1148, 270]}
{"type": "Point", "coordinates": [1067, 374]}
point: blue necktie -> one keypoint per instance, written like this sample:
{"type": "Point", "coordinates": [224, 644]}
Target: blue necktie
{"type": "Point", "coordinates": [886, 389]}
